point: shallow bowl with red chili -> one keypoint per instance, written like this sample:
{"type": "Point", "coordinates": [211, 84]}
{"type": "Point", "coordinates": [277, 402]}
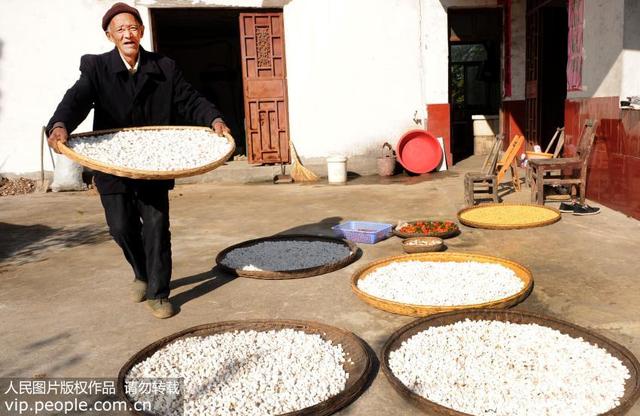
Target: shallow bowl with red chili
{"type": "Point", "coordinates": [427, 228]}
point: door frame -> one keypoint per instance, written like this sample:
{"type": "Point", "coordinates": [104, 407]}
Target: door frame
{"type": "Point", "coordinates": [177, 4]}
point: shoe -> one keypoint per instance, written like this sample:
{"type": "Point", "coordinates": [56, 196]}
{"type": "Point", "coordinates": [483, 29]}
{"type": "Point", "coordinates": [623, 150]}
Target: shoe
{"type": "Point", "coordinates": [585, 210]}
{"type": "Point", "coordinates": [567, 207]}
{"type": "Point", "coordinates": [138, 290]}
{"type": "Point", "coordinates": [161, 308]}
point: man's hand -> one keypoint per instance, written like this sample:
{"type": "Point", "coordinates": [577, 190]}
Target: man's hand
{"type": "Point", "coordinates": [220, 128]}
{"type": "Point", "coordinates": [58, 135]}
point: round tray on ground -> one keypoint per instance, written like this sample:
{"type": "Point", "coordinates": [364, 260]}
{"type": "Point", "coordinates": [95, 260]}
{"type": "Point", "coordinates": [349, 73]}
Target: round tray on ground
{"type": "Point", "coordinates": [632, 385]}
{"type": "Point", "coordinates": [446, 234]}
{"type": "Point", "coordinates": [425, 310]}
{"type": "Point", "coordinates": [553, 216]}
{"type": "Point", "coordinates": [433, 244]}
{"type": "Point", "coordinates": [289, 274]}
{"type": "Point", "coordinates": [140, 173]}
{"type": "Point", "coordinates": [359, 352]}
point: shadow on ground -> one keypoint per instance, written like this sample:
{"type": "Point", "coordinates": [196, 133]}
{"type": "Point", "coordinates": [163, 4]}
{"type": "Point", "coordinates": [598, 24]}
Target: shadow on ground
{"type": "Point", "coordinates": [323, 228]}
{"type": "Point", "coordinates": [53, 365]}
{"type": "Point", "coordinates": [21, 244]}
{"type": "Point", "coordinates": [207, 282]}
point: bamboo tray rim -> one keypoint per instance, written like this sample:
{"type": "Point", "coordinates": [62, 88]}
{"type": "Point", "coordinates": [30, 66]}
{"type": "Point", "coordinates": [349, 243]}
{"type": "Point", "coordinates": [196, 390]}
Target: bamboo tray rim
{"type": "Point", "coordinates": [141, 173]}
{"type": "Point", "coordinates": [489, 226]}
{"type": "Point", "coordinates": [290, 274]}
{"type": "Point", "coordinates": [632, 385]}
{"type": "Point", "coordinates": [444, 235]}
{"type": "Point", "coordinates": [425, 310]}
{"type": "Point", "coordinates": [359, 351]}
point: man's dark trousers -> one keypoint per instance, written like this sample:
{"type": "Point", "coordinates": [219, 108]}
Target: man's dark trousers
{"type": "Point", "coordinates": [139, 222]}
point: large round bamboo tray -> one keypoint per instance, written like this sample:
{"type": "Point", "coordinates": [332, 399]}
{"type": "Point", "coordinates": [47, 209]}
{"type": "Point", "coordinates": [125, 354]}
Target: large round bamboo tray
{"type": "Point", "coordinates": [358, 351]}
{"type": "Point", "coordinates": [508, 226]}
{"type": "Point", "coordinates": [289, 274]}
{"type": "Point", "coordinates": [446, 234]}
{"type": "Point", "coordinates": [139, 173]}
{"type": "Point", "coordinates": [632, 385]}
{"type": "Point", "coordinates": [425, 310]}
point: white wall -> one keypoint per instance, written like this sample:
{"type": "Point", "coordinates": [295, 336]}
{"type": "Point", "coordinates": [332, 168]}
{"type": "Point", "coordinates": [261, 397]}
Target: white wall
{"type": "Point", "coordinates": [631, 53]}
{"type": "Point", "coordinates": [603, 38]}
{"type": "Point", "coordinates": [353, 73]}
{"type": "Point", "coordinates": [39, 60]}
{"type": "Point", "coordinates": [435, 52]}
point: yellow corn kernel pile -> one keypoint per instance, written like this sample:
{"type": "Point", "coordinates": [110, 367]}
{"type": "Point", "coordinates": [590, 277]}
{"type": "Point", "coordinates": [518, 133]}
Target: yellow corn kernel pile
{"type": "Point", "coordinates": [509, 215]}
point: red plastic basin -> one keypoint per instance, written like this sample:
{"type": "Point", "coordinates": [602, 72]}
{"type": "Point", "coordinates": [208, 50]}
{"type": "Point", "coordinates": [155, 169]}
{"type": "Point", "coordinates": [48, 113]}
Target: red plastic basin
{"type": "Point", "coordinates": [419, 152]}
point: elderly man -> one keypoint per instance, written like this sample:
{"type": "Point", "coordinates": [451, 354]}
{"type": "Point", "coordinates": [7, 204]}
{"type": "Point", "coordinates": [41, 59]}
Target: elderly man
{"type": "Point", "coordinates": [130, 87]}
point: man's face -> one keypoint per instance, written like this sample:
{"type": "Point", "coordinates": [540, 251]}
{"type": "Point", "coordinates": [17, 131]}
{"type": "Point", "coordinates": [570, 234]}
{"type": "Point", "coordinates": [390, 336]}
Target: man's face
{"type": "Point", "coordinates": [125, 32]}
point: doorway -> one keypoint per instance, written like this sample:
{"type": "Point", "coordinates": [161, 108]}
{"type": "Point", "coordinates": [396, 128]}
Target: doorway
{"type": "Point", "coordinates": [475, 37]}
{"type": "Point", "coordinates": [553, 72]}
{"type": "Point", "coordinates": [547, 35]}
{"type": "Point", "coordinates": [206, 46]}
{"type": "Point", "coordinates": [235, 58]}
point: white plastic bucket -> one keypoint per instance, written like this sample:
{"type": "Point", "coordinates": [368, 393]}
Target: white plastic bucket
{"type": "Point", "coordinates": [337, 169]}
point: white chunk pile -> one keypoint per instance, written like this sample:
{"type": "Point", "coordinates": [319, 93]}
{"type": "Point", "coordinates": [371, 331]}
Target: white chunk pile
{"type": "Point", "coordinates": [155, 150]}
{"type": "Point", "coordinates": [285, 255]}
{"type": "Point", "coordinates": [506, 369]}
{"type": "Point", "coordinates": [246, 373]}
{"type": "Point", "coordinates": [441, 283]}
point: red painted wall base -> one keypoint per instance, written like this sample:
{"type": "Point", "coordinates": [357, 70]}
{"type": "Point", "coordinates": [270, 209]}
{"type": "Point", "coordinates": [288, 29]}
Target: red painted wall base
{"type": "Point", "coordinates": [513, 119]}
{"type": "Point", "coordinates": [439, 124]}
{"type": "Point", "coordinates": [614, 169]}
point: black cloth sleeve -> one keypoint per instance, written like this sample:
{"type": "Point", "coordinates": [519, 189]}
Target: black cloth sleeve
{"type": "Point", "coordinates": [190, 104]}
{"type": "Point", "coordinates": [78, 100]}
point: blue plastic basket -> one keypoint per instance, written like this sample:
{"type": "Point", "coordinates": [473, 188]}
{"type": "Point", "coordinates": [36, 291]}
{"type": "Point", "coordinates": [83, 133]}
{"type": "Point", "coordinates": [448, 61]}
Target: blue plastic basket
{"type": "Point", "coordinates": [363, 231]}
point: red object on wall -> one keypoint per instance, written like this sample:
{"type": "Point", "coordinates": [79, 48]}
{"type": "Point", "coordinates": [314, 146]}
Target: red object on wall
{"type": "Point", "coordinates": [419, 151]}
{"type": "Point", "coordinates": [514, 113]}
{"type": "Point", "coordinates": [614, 169]}
{"type": "Point", "coordinates": [439, 124]}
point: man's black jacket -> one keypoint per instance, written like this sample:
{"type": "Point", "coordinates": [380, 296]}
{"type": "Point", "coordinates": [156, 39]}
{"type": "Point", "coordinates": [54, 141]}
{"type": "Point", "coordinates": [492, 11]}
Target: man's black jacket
{"type": "Point", "coordinates": [156, 95]}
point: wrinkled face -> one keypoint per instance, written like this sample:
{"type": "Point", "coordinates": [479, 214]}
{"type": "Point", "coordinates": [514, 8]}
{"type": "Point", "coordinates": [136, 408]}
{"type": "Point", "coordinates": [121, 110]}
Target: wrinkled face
{"type": "Point", "coordinates": [125, 32]}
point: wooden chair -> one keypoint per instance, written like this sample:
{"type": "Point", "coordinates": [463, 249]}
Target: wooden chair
{"type": "Point", "coordinates": [541, 169]}
{"type": "Point", "coordinates": [485, 178]}
{"type": "Point", "coordinates": [494, 171]}
{"type": "Point", "coordinates": [559, 136]}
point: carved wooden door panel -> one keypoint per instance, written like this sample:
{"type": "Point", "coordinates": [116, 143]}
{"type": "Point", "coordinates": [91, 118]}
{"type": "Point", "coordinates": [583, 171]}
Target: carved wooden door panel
{"type": "Point", "coordinates": [265, 87]}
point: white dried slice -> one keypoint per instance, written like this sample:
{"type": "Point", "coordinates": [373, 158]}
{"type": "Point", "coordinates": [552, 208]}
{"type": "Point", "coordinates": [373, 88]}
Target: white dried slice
{"type": "Point", "coordinates": [154, 150]}
{"type": "Point", "coordinates": [245, 373]}
{"type": "Point", "coordinates": [506, 369]}
{"type": "Point", "coordinates": [285, 255]}
{"type": "Point", "coordinates": [441, 283]}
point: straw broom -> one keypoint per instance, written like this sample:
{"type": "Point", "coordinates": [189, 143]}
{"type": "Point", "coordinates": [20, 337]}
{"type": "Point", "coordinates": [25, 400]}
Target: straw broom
{"type": "Point", "coordinates": [298, 172]}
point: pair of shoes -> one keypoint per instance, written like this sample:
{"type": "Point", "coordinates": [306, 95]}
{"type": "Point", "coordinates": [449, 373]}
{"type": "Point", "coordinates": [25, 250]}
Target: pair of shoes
{"type": "Point", "coordinates": [585, 210]}
{"type": "Point", "coordinates": [567, 207]}
{"type": "Point", "coordinates": [161, 308]}
{"type": "Point", "coordinates": [578, 209]}
{"type": "Point", "coordinates": [138, 290]}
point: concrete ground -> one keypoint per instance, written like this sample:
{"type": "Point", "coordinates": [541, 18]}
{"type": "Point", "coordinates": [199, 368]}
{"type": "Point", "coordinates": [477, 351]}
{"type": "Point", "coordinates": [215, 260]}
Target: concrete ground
{"type": "Point", "coordinates": [63, 282]}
